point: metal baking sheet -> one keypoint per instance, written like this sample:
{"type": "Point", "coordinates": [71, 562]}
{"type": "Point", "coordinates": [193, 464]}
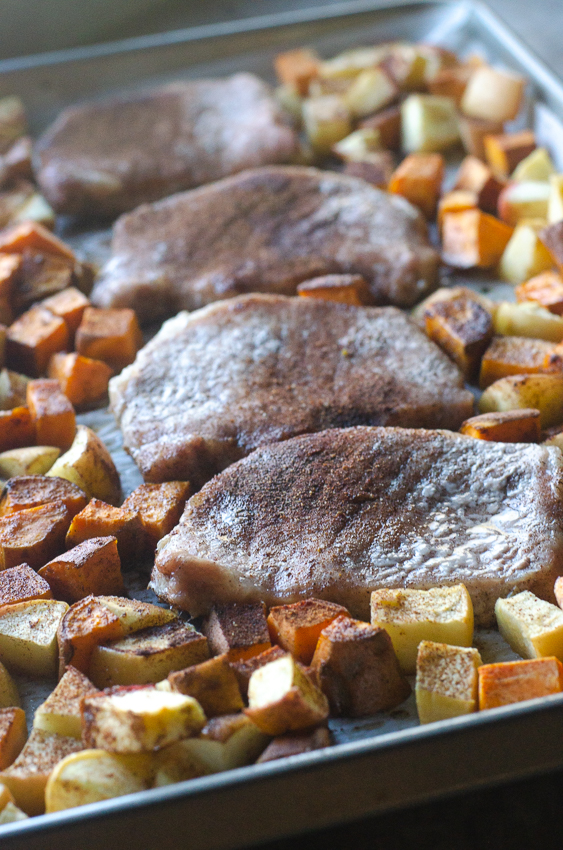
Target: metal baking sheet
{"type": "Point", "coordinates": [383, 762]}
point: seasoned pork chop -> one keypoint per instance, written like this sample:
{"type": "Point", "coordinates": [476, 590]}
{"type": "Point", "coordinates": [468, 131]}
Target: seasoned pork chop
{"type": "Point", "coordinates": [266, 230]}
{"type": "Point", "coordinates": [342, 512]}
{"type": "Point", "coordinates": [107, 157]}
{"type": "Point", "coordinates": [215, 384]}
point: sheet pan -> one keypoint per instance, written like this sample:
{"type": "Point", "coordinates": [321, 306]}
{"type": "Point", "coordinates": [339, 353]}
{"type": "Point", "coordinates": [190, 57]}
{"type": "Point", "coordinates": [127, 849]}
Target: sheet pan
{"type": "Point", "coordinates": [377, 764]}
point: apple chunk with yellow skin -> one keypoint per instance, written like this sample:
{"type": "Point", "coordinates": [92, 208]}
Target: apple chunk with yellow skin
{"type": "Point", "coordinates": [28, 636]}
{"type": "Point", "coordinates": [446, 681]}
{"type": "Point", "coordinates": [532, 626]}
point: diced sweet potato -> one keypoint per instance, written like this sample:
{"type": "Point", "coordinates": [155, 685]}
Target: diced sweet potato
{"type": "Point", "coordinates": [110, 335]}
{"type": "Point", "coordinates": [246, 667]}
{"type": "Point", "coordinates": [212, 683]}
{"type": "Point", "coordinates": [456, 201]}
{"type": "Point", "coordinates": [91, 568]}
{"type": "Point", "coordinates": [346, 289]}
{"type": "Point", "coordinates": [18, 584]}
{"type": "Point", "coordinates": [33, 237]}
{"type": "Point", "coordinates": [451, 82]}
{"type": "Point", "coordinates": [240, 630]}
{"type": "Point", "coordinates": [545, 289]}
{"type": "Point", "coordinates": [513, 355]}
{"type": "Point", "coordinates": [294, 743]}
{"type": "Point", "coordinates": [10, 273]}
{"type": "Point", "coordinates": [17, 428]}
{"type": "Point", "coordinates": [505, 151]}
{"type": "Point", "coordinates": [297, 68]}
{"type": "Point", "coordinates": [297, 627]}
{"type": "Point", "coordinates": [86, 624]}
{"type": "Point", "coordinates": [83, 381]}
{"type": "Point", "coordinates": [30, 491]}
{"type": "Point", "coordinates": [33, 536]}
{"type": "Point", "coordinates": [33, 338]}
{"type": "Point", "coordinates": [388, 123]}
{"type": "Point", "coordinates": [419, 179]}
{"type": "Point", "coordinates": [474, 176]}
{"type": "Point", "coordinates": [473, 132]}
{"type": "Point", "coordinates": [13, 734]}
{"type": "Point", "coordinates": [552, 238]}
{"type": "Point", "coordinates": [377, 171]}
{"type": "Point", "coordinates": [52, 413]}
{"type": "Point", "coordinates": [507, 426]}
{"type": "Point", "coordinates": [463, 328]}
{"type": "Point", "coordinates": [515, 681]}
{"type": "Point", "coordinates": [159, 507]}
{"type": "Point", "coordinates": [98, 519]}
{"type": "Point", "coordinates": [41, 275]}
{"type": "Point", "coordinates": [69, 304]}
{"type": "Point", "coordinates": [473, 239]}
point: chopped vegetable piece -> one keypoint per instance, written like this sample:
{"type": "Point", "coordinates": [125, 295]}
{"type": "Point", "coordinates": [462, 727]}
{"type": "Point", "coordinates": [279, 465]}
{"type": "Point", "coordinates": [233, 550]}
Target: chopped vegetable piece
{"type": "Point", "coordinates": [29, 460]}
{"type": "Point", "coordinates": [476, 177]}
{"type": "Point", "coordinates": [419, 179]}
{"type": "Point", "coordinates": [297, 68]}
{"type": "Point", "coordinates": [527, 199]}
{"type": "Point", "coordinates": [85, 624]}
{"type": "Point", "coordinates": [212, 683]}
{"type": "Point", "coordinates": [516, 681]}
{"type": "Point", "coordinates": [345, 289]}
{"type": "Point", "coordinates": [89, 465]}
{"type": "Point", "coordinates": [387, 123]}
{"type": "Point", "coordinates": [546, 289]}
{"type": "Point", "coordinates": [13, 735]}
{"type": "Point", "coordinates": [52, 412]}
{"type": "Point", "coordinates": [33, 237]}
{"type": "Point", "coordinates": [505, 151]}
{"type": "Point", "coordinates": [32, 491]}
{"type": "Point", "coordinates": [113, 336]}
{"type": "Point", "coordinates": [525, 254]}
{"type": "Point", "coordinates": [446, 681]}
{"type": "Point", "coordinates": [34, 535]}
{"type": "Point", "coordinates": [428, 123]}
{"type": "Point", "coordinates": [528, 319]}
{"type": "Point", "coordinates": [69, 304]}
{"type": "Point", "coordinates": [91, 568]}
{"type": "Point", "coordinates": [532, 626]}
{"type": "Point", "coordinates": [159, 507]}
{"type": "Point", "coordinates": [513, 355]}
{"type": "Point", "coordinates": [473, 239]}
{"type": "Point", "coordinates": [60, 713]}
{"type": "Point", "coordinates": [509, 426]}
{"type": "Point", "coordinates": [83, 381]}
{"type": "Point", "coordinates": [33, 338]}
{"type": "Point", "coordinates": [240, 630]}
{"type": "Point", "coordinates": [21, 583]}
{"type": "Point", "coordinates": [536, 166]}
{"type": "Point", "coordinates": [28, 636]}
{"type": "Point", "coordinates": [463, 328]}
{"type": "Point", "coordinates": [17, 428]}
{"type": "Point", "coordinates": [493, 95]}
{"type": "Point", "coordinates": [473, 132]}
{"type": "Point", "coordinates": [297, 627]}
{"type": "Point", "coordinates": [98, 519]}
{"type": "Point", "coordinates": [544, 392]}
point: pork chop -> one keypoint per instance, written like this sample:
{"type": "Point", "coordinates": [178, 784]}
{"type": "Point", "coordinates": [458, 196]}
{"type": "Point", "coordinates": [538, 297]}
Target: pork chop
{"type": "Point", "coordinates": [343, 512]}
{"type": "Point", "coordinates": [266, 230]}
{"type": "Point", "coordinates": [215, 384]}
{"type": "Point", "coordinates": [107, 157]}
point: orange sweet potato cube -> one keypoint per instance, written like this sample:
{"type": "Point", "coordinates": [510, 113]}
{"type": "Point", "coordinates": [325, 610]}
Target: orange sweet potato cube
{"type": "Point", "coordinates": [473, 239]}
{"type": "Point", "coordinates": [69, 304]}
{"type": "Point", "coordinates": [237, 630]}
{"type": "Point", "coordinates": [419, 179]}
{"type": "Point", "coordinates": [297, 68]}
{"type": "Point", "coordinates": [33, 536]}
{"type": "Point", "coordinates": [33, 338]}
{"type": "Point", "coordinates": [98, 519]}
{"type": "Point", "coordinates": [475, 176]}
{"type": "Point", "coordinates": [159, 506]}
{"type": "Point", "coordinates": [545, 289]}
{"type": "Point", "coordinates": [17, 429]}
{"type": "Point", "coordinates": [41, 276]}
{"type": "Point", "coordinates": [13, 735]}
{"type": "Point", "coordinates": [212, 683]}
{"type": "Point", "coordinates": [506, 426]}
{"type": "Point", "coordinates": [505, 151]}
{"type": "Point", "coordinates": [110, 335]}
{"type": "Point", "coordinates": [552, 238]}
{"type": "Point", "coordinates": [462, 327]}
{"type": "Point", "coordinates": [86, 624]}
{"type": "Point", "coordinates": [31, 491]}
{"type": "Point", "coordinates": [82, 380]}
{"type": "Point", "coordinates": [514, 355]}
{"type": "Point", "coordinates": [456, 201]}
{"type": "Point", "coordinates": [10, 272]}
{"type": "Point", "coordinates": [343, 288]}
{"type": "Point", "coordinates": [32, 236]}
{"type": "Point", "coordinates": [21, 583]}
{"type": "Point", "coordinates": [297, 627]}
{"type": "Point", "coordinates": [52, 412]}
{"type": "Point", "coordinates": [92, 568]}
{"type": "Point", "coordinates": [516, 681]}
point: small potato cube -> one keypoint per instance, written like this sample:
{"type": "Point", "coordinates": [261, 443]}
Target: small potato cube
{"type": "Point", "coordinates": [31, 491]}
{"type": "Point", "coordinates": [83, 381]}
{"type": "Point", "coordinates": [20, 584]}
{"type": "Point", "coordinates": [245, 668]}
{"type": "Point", "coordinates": [476, 177]}
{"type": "Point", "coordinates": [27, 776]}
{"type": "Point", "coordinates": [147, 656]}
{"type": "Point", "coordinates": [343, 288]}
{"type": "Point", "coordinates": [473, 239]}
{"type": "Point", "coordinates": [281, 698]}
{"type": "Point", "coordinates": [546, 289]}
{"type": "Point", "coordinates": [297, 627]}
{"type": "Point", "coordinates": [456, 201]}
{"type": "Point", "coordinates": [473, 132]}
{"type": "Point", "coordinates": [9, 696]}
{"type": "Point", "coordinates": [493, 95]}
{"type": "Point", "coordinates": [357, 669]}
{"type": "Point", "coordinates": [510, 426]}
{"type": "Point", "coordinates": [17, 428]}
{"type": "Point", "coordinates": [159, 507]}
{"type": "Point", "coordinates": [33, 238]}
{"type": "Point", "coordinates": [13, 735]}
{"type": "Point", "coordinates": [30, 460]}
{"type": "Point", "coordinates": [28, 636]}
{"type": "Point", "coordinates": [297, 68]}
{"type": "Point", "coordinates": [419, 179]}
{"type": "Point", "coordinates": [89, 465]}
{"type": "Point", "coordinates": [552, 238]}
{"type": "Point", "coordinates": [52, 412]}
{"type": "Point", "coordinates": [387, 123]}
{"type": "Point", "coordinates": [113, 336]}
{"type": "Point", "coordinates": [543, 392]}
{"type": "Point", "coordinates": [516, 681]}
{"type": "Point", "coordinates": [98, 519]}
{"type": "Point", "coordinates": [429, 123]}
{"type": "Point", "coordinates": [85, 624]}
{"type": "Point", "coordinates": [532, 626]}
{"type": "Point", "coordinates": [33, 338]}
{"type": "Point", "coordinates": [60, 713]}
{"type": "Point", "coordinates": [33, 536]}
{"type": "Point", "coordinates": [295, 743]}
{"type": "Point", "coordinates": [69, 304]}
{"type": "Point", "coordinates": [326, 120]}
{"type": "Point", "coordinates": [212, 683]}
{"type": "Point", "coordinates": [137, 720]}
{"type": "Point", "coordinates": [527, 199]}
{"type": "Point", "coordinates": [440, 614]}
{"type": "Point", "coordinates": [536, 166]}
{"type": "Point", "coordinates": [463, 328]}
{"type": "Point", "coordinates": [555, 202]}
{"type": "Point", "coordinates": [528, 319]}
{"type": "Point", "coordinates": [91, 568]}
{"type": "Point", "coordinates": [446, 681]}
{"type": "Point", "coordinates": [525, 255]}
{"type": "Point", "coordinates": [505, 151]}
{"type": "Point", "coordinates": [240, 630]}
{"type": "Point", "coordinates": [240, 740]}
{"type": "Point", "coordinates": [369, 92]}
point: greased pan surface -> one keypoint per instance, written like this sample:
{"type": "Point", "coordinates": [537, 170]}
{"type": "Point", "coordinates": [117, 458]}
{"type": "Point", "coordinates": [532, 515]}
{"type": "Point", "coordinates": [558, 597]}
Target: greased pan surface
{"type": "Point", "coordinates": [383, 762]}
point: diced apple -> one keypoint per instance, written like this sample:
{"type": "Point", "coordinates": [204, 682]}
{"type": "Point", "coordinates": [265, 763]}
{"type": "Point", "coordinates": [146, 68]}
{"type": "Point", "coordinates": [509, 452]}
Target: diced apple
{"type": "Point", "coordinates": [429, 123]}
{"type": "Point", "coordinates": [505, 151]}
{"type": "Point", "coordinates": [446, 681]}
{"type": "Point", "coordinates": [388, 125]}
{"type": "Point", "coordinates": [528, 319]}
{"type": "Point", "coordinates": [493, 94]}
{"type": "Point", "coordinates": [370, 91]}
{"type": "Point", "coordinates": [525, 254]}
{"type": "Point", "coordinates": [536, 166]}
{"type": "Point", "coordinates": [326, 120]}
{"type": "Point", "coordinates": [532, 626]}
{"type": "Point", "coordinates": [473, 132]}
{"type": "Point", "coordinates": [526, 199]}
{"type": "Point", "coordinates": [349, 63]}
{"type": "Point", "coordinates": [451, 82]}
{"type": "Point", "coordinates": [543, 392]}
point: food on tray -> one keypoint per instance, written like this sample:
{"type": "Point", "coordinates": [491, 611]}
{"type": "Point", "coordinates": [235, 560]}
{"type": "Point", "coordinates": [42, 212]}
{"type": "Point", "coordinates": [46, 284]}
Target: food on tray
{"type": "Point", "coordinates": [552, 238]}
{"type": "Point", "coordinates": [159, 507]}
{"type": "Point", "coordinates": [542, 392]}
{"type": "Point", "coordinates": [526, 199]}
{"type": "Point", "coordinates": [344, 288]}
{"type": "Point", "coordinates": [267, 230]}
{"type": "Point", "coordinates": [239, 631]}
{"type": "Point", "coordinates": [8, 690]}
{"type": "Point", "coordinates": [31, 491]}
{"type": "Point", "coordinates": [83, 380]}
{"type": "Point", "coordinates": [525, 254]}
{"type": "Point", "coordinates": [510, 426]}
{"type": "Point", "coordinates": [112, 336]}
{"type": "Point", "coordinates": [473, 239]}
{"type": "Point", "coordinates": [33, 338]}
{"type": "Point", "coordinates": [532, 626]}
{"type": "Point", "coordinates": [362, 365]}
{"type": "Point", "coordinates": [528, 318]}
{"type": "Point", "coordinates": [60, 713]}
{"type": "Point", "coordinates": [555, 203]}
{"type": "Point", "coordinates": [429, 123]}
{"type": "Point", "coordinates": [476, 177]}
{"type": "Point", "coordinates": [294, 743]}
{"type": "Point", "coordinates": [419, 179]}
{"type": "Point", "coordinates": [109, 156]}
{"type": "Point", "coordinates": [297, 627]}
{"type": "Point", "coordinates": [515, 681]}
{"type": "Point", "coordinates": [546, 289]}
{"type": "Point", "coordinates": [89, 465]}
{"type": "Point", "coordinates": [538, 165]}
{"type": "Point", "coordinates": [28, 636]}
{"type": "Point", "coordinates": [446, 681]}
{"type": "Point", "coordinates": [98, 519]}
{"type": "Point", "coordinates": [13, 735]}
{"type": "Point", "coordinates": [390, 497]}
{"type": "Point", "coordinates": [493, 94]}
{"type": "Point", "coordinates": [21, 583]}
{"type": "Point", "coordinates": [33, 535]}
{"type": "Point", "coordinates": [213, 683]}
{"type": "Point", "coordinates": [52, 414]}
{"type": "Point", "coordinates": [462, 327]}
{"type": "Point", "coordinates": [504, 152]}
{"type": "Point", "coordinates": [31, 460]}
{"type": "Point", "coordinates": [91, 568]}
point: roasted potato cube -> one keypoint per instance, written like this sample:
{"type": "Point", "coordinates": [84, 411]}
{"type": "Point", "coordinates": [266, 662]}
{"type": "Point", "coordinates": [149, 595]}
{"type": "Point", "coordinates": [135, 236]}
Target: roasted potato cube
{"type": "Point", "coordinates": [83, 381]}
{"type": "Point", "coordinates": [20, 584]}
{"type": "Point", "coordinates": [377, 170]}
{"type": "Point", "coordinates": [473, 132]}
{"type": "Point", "coordinates": [527, 199]}
{"type": "Point", "coordinates": [544, 392]}
{"type": "Point", "coordinates": [536, 166]}
{"type": "Point", "coordinates": [31, 491]}
{"type": "Point", "coordinates": [41, 276]}
{"type": "Point", "coordinates": [552, 238]}
{"type": "Point", "coordinates": [509, 426]}
{"type": "Point", "coordinates": [456, 201]}
{"type": "Point", "coordinates": [516, 681]}
{"type": "Point", "coordinates": [357, 668]}
{"type": "Point", "coordinates": [369, 92]}
{"type": "Point", "coordinates": [147, 656]}
{"type": "Point", "coordinates": [30, 460]}
{"type": "Point", "coordinates": [52, 413]}
{"type": "Point", "coordinates": [159, 507]}
{"type": "Point", "coordinates": [84, 625]}
{"type": "Point", "coordinates": [446, 681]}
{"type": "Point", "coordinates": [528, 319]}
{"type": "Point", "coordinates": [28, 636]}
{"type": "Point", "coordinates": [240, 740]}
{"type": "Point", "coordinates": [13, 735]}
{"type": "Point", "coordinates": [326, 120]}
{"type": "Point", "coordinates": [246, 667]}
{"type": "Point", "coordinates": [440, 614]}
{"type": "Point", "coordinates": [27, 776]}
{"type": "Point", "coordinates": [387, 123]}
{"type": "Point", "coordinates": [513, 355]}
{"type": "Point", "coordinates": [476, 177]}
{"type": "Point", "coordinates": [136, 720]}
{"type": "Point", "coordinates": [112, 335]}
{"type": "Point", "coordinates": [240, 630]}
{"type": "Point", "coordinates": [98, 519]}
{"type": "Point", "coordinates": [60, 713]}
{"type": "Point", "coordinates": [532, 626]}
{"type": "Point", "coordinates": [546, 289]}
{"type": "Point", "coordinates": [505, 151]}
{"type": "Point", "coordinates": [428, 123]}
{"type": "Point", "coordinates": [295, 743]}
{"type": "Point", "coordinates": [492, 94]}
{"type": "Point", "coordinates": [91, 568]}
{"type": "Point", "coordinates": [463, 328]}
{"type": "Point", "coordinates": [297, 627]}
{"type": "Point", "coordinates": [282, 698]}
{"type": "Point", "coordinates": [32, 237]}
{"type": "Point", "coordinates": [17, 429]}
{"type": "Point", "coordinates": [419, 179]}
{"type": "Point", "coordinates": [212, 683]}
{"type": "Point", "coordinates": [9, 696]}
{"type": "Point", "coordinates": [33, 338]}
{"type": "Point", "coordinates": [525, 254]}
{"type": "Point", "coordinates": [89, 465]}
{"type": "Point", "coordinates": [297, 68]}
{"type": "Point", "coordinates": [343, 288]}
{"type": "Point", "coordinates": [33, 536]}
{"type": "Point", "coordinates": [473, 239]}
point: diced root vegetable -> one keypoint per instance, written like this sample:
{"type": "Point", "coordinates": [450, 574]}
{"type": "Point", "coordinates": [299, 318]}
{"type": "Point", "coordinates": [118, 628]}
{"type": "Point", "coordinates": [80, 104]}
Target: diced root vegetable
{"type": "Point", "coordinates": [419, 179]}
{"type": "Point", "coordinates": [536, 166]}
{"type": "Point", "coordinates": [516, 681]}
{"type": "Point", "coordinates": [514, 355]}
{"type": "Point", "coordinates": [370, 91]}
{"type": "Point", "coordinates": [505, 151]}
{"type": "Point", "coordinates": [429, 123]}
{"type": "Point", "coordinates": [524, 256]}
{"type": "Point", "coordinates": [530, 319]}
{"type": "Point", "coordinates": [493, 95]}
{"type": "Point", "coordinates": [527, 199]}
{"type": "Point", "coordinates": [543, 392]}
{"type": "Point", "coordinates": [511, 426]}
{"type": "Point", "coordinates": [476, 177]}
{"type": "Point", "coordinates": [326, 120]}
{"type": "Point", "coordinates": [545, 289]}
{"type": "Point", "coordinates": [297, 68]}
{"type": "Point", "coordinates": [473, 239]}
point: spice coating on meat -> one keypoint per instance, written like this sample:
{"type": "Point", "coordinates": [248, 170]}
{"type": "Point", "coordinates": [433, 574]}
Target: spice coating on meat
{"type": "Point", "coordinates": [107, 157]}
{"type": "Point", "coordinates": [266, 230]}
{"type": "Point", "coordinates": [340, 513]}
{"type": "Point", "coordinates": [214, 385]}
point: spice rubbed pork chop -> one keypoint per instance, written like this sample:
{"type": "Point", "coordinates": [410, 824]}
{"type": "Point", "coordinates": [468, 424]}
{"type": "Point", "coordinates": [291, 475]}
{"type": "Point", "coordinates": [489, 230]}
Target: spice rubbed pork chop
{"type": "Point", "coordinates": [107, 157]}
{"type": "Point", "coordinates": [342, 512]}
{"type": "Point", "coordinates": [215, 384]}
{"type": "Point", "coordinates": [266, 230]}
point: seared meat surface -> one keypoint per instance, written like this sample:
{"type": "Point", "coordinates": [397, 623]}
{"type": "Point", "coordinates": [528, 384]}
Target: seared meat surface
{"type": "Point", "coordinates": [339, 513]}
{"type": "Point", "coordinates": [266, 230]}
{"type": "Point", "coordinates": [107, 157]}
{"type": "Point", "coordinates": [215, 384]}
